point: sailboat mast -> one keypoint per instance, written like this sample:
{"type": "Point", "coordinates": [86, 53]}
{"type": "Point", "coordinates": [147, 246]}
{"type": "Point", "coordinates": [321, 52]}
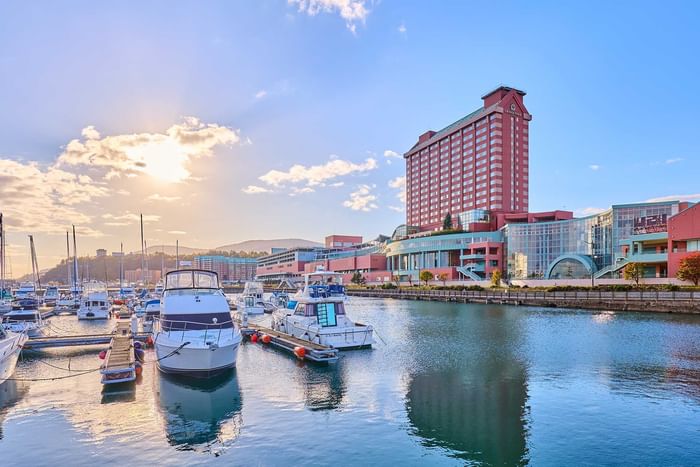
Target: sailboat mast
{"type": "Point", "coordinates": [35, 265]}
{"type": "Point", "coordinates": [121, 266]}
{"type": "Point", "coordinates": [148, 274]}
{"type": "Point", "coordinates": [177, 255]}
{"type": "Point", "coordinates": [68, 268]}
{"type": "Point", "coordinates": [162, 262]}
{"type": "Point", "coordinates": [143, 264]}
{"type": "Point", "coordinates": [75, 263]}
{"type": "Point", "coordinates": [2, 259]}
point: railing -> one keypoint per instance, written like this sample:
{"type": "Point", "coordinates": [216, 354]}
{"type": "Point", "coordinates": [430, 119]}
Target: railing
{"type": "Point", "coordinates": [600, 295]}
{"type": "Point", "coordinates": [210, 329]}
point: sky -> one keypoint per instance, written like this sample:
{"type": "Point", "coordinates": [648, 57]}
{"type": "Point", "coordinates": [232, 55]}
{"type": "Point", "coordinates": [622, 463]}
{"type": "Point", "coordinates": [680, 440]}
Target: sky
{"type": "Point", "coordinates": [228, 121]}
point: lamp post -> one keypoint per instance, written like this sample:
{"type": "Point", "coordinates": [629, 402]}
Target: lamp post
{"type": "Point", "coordinates": [592, 260]}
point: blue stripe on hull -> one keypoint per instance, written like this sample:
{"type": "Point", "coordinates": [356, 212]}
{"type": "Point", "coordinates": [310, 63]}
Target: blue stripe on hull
{"type": "Point", "coordinates": [204, 373]}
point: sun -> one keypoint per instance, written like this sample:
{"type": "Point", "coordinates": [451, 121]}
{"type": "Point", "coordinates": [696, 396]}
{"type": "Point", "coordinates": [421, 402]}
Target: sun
{"type": "Point", "coordinates": [164, 160]}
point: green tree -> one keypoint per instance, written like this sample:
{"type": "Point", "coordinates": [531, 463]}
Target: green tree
{"type": "Point", "coordinates": [496, 278]}
{"type": "Point", "coordinates": [633, 272]}
{"type": "Point", "coordinates": [358, 278]}
{"type": "Point", "coordinates": [442, 277]}
{"type": "Point", "coordinates": [447, 222]}
{"type": "Point", "coordinates": [426, 276]}
{"type": "Point", "coordinates": [689, 269]}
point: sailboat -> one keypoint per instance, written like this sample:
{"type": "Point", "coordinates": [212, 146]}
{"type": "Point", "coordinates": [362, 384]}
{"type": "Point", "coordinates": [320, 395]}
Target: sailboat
{"type": "Point", "coordinates": [5, 296]}
{"type": "Point", "coordinates": [25, 315]}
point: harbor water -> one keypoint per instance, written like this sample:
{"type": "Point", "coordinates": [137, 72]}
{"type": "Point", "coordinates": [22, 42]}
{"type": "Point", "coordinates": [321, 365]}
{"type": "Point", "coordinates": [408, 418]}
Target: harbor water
{"type": "Point", "coordinates": [446, 384]}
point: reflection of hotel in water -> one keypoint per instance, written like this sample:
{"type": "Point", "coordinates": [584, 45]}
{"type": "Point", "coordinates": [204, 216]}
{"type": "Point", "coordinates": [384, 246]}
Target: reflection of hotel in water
{"type": "Point", "coordinates": [476, 408]}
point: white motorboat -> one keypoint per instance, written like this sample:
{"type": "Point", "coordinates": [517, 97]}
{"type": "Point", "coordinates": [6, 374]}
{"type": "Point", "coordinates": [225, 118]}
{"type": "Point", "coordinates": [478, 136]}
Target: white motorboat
{"type": "Point", "coordinates": [10, 346]}
{"type": "Point", "coordinates": [25, 320]}
{"type": "Point", "coordinates": [151, 312]}
{"type": "Point", "coordinates": [51, 296]}
{"type": "Point", "coordinates": [317, 314]}
{"type": "Point", "coordinates": [195, 333]}
{"type": "Point", "coordinates": [68, 301]}
{"type": "Point", "coordinates": [26, 290]}
{"type": "Point", "coordinates": [95, 302]}
{"type": "Point", "coordinates": [251, 300]}
{"type": "Point", "coordinates": [5, 306]}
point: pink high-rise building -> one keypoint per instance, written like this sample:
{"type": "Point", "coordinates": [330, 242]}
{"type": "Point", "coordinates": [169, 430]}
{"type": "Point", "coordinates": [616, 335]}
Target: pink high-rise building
{"type": "Point", "coordinates": [479, 162]}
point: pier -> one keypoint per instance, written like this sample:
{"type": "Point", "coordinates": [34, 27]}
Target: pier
{"type": "Point", "coordinates": [44, 342]}
{"type": "Point", "coordinates": [120, 362]}
{"type": "Point", "coordinates": [313, 352]}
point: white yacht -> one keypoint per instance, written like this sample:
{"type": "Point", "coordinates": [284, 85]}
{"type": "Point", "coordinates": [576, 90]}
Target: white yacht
{"type": "Point", "coordinates": [51, 296]}
{"type": "Point", "coordinates": [25, 320]}
{"type": "Point", "coordinates": [26, 290]}
{"type": "Point", "coordinates": [251, 300]}
{"type": "Point", "coordinates": [195, 333]}
{"type": "Point", "coordinates": [151, 312]}
{"type": "Point", "coordinates": [68, 301]}
{"type": "Point", "coordinates": [94, 303]}
{"type": "Point", "coordinates": [318, 315]}
{"type": "Point", "coordinates": [10, 346]}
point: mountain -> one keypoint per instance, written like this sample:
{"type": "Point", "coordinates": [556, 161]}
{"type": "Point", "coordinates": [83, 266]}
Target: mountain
{"type": "Point", "coordinates": [247, 246]}
{"type": "Point", "coordinates": [266, 245]}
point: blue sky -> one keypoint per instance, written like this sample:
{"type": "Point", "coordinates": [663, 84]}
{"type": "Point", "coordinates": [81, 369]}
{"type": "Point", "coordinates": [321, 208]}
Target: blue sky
{"type": "Point", "coordinates": [273, 84]}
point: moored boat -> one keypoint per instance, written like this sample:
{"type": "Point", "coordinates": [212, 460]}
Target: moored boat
{"type": "Point", "coordinates": [25, 320]}
{"type": "Point", "coordinates": [251, 300]}
{"type": "Point", "coordinates": [10, 346]}
{"type": "Point", "coordinates": [95, 303]}
{"type": "Point", "coordinates": [195, 334]}
{"type": "Point", "coordinates": [51, 296]}
{"type": "Point", "coordinates": [151, 312]}
{"type": "Point", "coordinates": [319, 315]}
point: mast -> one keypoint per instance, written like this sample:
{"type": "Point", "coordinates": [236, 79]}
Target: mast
{"type": "Point", "coordinates": [143, 265]}
{"type": "Point", "coordinates": [75, 264]}
{"type": "Point", "coordinates": [121, 266]}
{"type": "Point", "coordinates": [35, 264]}
{"type": "Point", "coordinates": [177, 255]}
{"type": "Point", "coordinates": [2, 259]}
{"type": "Point", "coordinates": [148, 274]}
{"type": "Point", "coordinates": [162, 262]}
{"type": "Point", "coordinates": [68, 268]}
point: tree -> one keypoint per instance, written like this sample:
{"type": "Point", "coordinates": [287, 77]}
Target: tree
{"type": "Point", "coordinates": [358, 278]}
{"type": "Point", "coordinates": [447, 222]}
{"type": "Point", "coordinates": [633, 272]}
{"type": "Point", "coordinates": [442, 277]}
{"type": "Point", "coordinates": [496, 278]}
{"type": "Point", "coordinates": [689, 269]}
{"type": "Point", "coordinates": [396, 278]}
{"type": "Point", "coordinates": [426, 276]}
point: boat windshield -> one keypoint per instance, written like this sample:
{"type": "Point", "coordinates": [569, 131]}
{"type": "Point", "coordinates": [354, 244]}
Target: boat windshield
{"type": "Point", "coordinates": [189, 279]}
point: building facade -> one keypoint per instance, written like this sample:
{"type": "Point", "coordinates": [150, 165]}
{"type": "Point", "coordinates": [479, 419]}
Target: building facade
{"type": "Point", "coordinates": [228, 268]}
{"type": "Point", "coordinates": [478, 162]}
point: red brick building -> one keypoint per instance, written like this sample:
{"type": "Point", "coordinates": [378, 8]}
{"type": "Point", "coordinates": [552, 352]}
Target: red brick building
{"type": "Point", "coordinates": [478, 162]}
{"type": "Point", "coordinates": [683, 237]}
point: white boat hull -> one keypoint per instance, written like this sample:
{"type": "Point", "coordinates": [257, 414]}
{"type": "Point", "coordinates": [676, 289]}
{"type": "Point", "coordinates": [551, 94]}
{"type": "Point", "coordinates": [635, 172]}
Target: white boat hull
{"type": "Point", "coordinates": [10, 347]}
{"type": "Point", "coordinates": [197, 358]}
{"type": "Point", "coordinates": [342, 338]}
{"type": "Point", "coordinates": [92, 314]}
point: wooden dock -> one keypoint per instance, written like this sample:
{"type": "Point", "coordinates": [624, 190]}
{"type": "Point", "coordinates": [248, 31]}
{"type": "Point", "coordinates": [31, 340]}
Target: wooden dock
{"type": "Point", "coordinates": [75, 340]}
{"type": "Point", "coordinates": [313, 352]}
{"type": "Point", "coordinates": [120, 362]}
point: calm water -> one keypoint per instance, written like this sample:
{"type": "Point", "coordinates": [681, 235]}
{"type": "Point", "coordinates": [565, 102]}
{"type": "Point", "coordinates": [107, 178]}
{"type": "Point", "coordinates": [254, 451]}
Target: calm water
{"type": "Point", "coordinates": [451, 385]}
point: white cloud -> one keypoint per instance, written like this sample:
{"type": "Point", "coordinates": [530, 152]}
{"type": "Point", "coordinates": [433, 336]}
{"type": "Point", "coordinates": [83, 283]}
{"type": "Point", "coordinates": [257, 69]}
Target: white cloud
{"type": "Point", "coordinates": [177, 232]}
{"type": "Point", "coordinates": [254, 190]}
{"type": "Point", "coordinates": [691, 197]}
{"type": "Point", "coordinates": [165, 156]}
{"type": "Point", "coordinates": [300, 191]}
{"type": "Point", "coordinates": [260, 94]}
{"type": "Point", "coordinates": [362, 199]}
{"type": "Point", "coordinates": [316, 175]}
{"type": "Point", "coordinates": [399, 183]}
{"type": "Point", "coordinates": [128, 218]}
{"type": "Point", "coordinates": [42, 200]}
{"type": "Point", "coordinates": [396, 208]}
{"type": "Point", "coordinates": [352, 11]}
{"type": "Point", "coordinates": [402, 28]}
{"type": "Point", "coordinates": [390, 153]}
{"type": "Point", "coordinates": [589, 211]}
{"type": "Point", "coordinates": [594, 167]}
{"type": "Point", "coordinates": [159, 197]}
{"type": "Point", "coordinates": [674, 160]}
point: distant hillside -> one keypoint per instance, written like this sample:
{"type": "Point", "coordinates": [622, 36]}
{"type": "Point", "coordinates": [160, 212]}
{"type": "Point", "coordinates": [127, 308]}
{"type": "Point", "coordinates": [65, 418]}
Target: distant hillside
{"type": "Point", "coordinates": [266, 245]}
{"type": "Point", "coordinates": [170, 250]}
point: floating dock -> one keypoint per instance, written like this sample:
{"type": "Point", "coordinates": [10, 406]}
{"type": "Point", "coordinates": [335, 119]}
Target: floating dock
{"type": "Point", "coordinates": [76, 340]}
{"type": "Point", "coordinates": [313, 352]}
{"type": "Point", "coordinates": [120, 362]}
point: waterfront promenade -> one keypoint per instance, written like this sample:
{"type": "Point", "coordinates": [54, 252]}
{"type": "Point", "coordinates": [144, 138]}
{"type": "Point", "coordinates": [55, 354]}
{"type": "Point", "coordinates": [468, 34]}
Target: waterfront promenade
{"type": "Point", "coordinates": [648, 300]}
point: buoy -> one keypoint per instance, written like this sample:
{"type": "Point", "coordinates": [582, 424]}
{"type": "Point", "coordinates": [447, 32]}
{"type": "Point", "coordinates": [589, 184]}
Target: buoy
{"type": "Point", "coordinates": [139, 369]}
{"type": "Point", "coordinates": [266, 339]}
{"type": "Point", "coordinates": [300, 352]}
{"type": "Point", "coordinates": [253, 338]}
{"type": "Point", "coordinates": [149, 341]}
{"type": "Point", "coordinates": [103, 354]}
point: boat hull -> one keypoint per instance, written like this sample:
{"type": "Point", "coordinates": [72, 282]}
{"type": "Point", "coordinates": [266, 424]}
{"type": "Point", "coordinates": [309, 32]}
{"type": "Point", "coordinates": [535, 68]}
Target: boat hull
{"type": "Point", "coordinates": [350, 338]}
{"type": "Point", "coordinates": [10, 348]}
{"type": "Point", "coordinates": [196, 359]}
{"type": "Point", "coordinates": [92, 314]}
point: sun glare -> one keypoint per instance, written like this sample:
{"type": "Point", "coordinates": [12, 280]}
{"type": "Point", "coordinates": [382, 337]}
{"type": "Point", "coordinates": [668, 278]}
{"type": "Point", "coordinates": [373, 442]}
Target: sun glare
{"type": "Point", "coordinates": [164, 160]}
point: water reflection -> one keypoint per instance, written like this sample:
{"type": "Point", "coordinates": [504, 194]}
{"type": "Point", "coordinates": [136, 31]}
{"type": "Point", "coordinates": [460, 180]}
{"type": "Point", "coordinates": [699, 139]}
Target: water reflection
{"type": "Point", "coordinates": [323, 388]}
{"type": "Point", "coordinates": [477, 406]}
{"type": "Point", "coordinates": [11, 392]}
{"type": "Point", "coordinates": [200, 414]}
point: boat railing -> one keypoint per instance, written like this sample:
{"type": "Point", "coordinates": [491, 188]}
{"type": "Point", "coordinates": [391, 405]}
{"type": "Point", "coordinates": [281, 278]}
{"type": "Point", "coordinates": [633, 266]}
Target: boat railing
{"type": "Point", "coordinates": [172, 327]}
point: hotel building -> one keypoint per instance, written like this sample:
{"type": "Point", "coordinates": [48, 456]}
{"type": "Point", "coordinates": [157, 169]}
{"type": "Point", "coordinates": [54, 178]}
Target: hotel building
{"type": "Point", "coordinates": [478, 162]}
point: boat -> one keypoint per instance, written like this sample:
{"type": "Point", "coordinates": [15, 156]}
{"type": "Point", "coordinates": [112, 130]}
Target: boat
{"type": "Point", "coordinates": [51, 296]}
{"type": "Point", "coordinates": [25, 290]}
{"type": "Point", "coordinates": [5, 295]}
{"type": "Point", "coordinates": [94, 303]}
{"type": "Point", "coordinates": [158, 290]}
{"type": "Point", "coordinates": [25, 320]}
{"type": "Point", "coordinates": [10, 346]}
{"type": "Point", "coordinates": [152, 311]}
{"type": "Point", "coordinates": [195, 334]}
{"type": "Point", "coordinates": [318, 315]}
{"type": "Point", "coordinates": [251, 300]}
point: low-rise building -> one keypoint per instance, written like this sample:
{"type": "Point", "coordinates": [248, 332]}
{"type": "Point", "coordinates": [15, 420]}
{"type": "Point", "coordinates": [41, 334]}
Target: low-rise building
{"type": "Point", "coordinates": [228, 268]}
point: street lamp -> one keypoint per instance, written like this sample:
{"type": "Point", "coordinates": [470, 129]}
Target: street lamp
{"type": "Point", "coordinates": [592, 261]}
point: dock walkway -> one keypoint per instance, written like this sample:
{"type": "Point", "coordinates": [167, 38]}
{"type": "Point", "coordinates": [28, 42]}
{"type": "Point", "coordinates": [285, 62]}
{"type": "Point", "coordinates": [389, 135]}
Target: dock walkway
{"type": "Point", "coordinates": [120, 362]}
{"type": "Point", "coordinates": [313, 352]}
